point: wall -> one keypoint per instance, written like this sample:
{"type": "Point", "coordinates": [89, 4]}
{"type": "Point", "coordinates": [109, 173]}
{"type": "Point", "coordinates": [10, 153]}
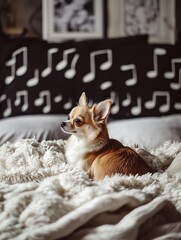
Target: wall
{"type": "Point", "coordinates": [28, 15]}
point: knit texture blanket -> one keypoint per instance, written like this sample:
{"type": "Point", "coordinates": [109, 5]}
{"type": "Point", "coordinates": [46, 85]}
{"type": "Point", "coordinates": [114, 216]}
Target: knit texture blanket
{"type": "Point", "coordinates": [43, 197]}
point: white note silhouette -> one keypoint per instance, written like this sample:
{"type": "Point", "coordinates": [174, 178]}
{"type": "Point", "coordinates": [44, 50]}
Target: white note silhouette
{"type": "Point", "coordinates": [136, 110]}
{"type": "Point", "coordinates": [127, 101]}
{"type": "Point", "coordinates": [70, 73]}
{"type": "Point", "coordinates": [152, 103]}
{"type": "Point", "coordinates": [157, 52]}
{"type": "Point", "coordinates": [22, 95]}
{"type": "Point", "coordinates": [63, 63]}
{"type": "Point", "coordinates": [7, 112]}
{"type": "Point", "coordinates": [172, 73]}
{"type": "Point", "coordinates": [21, 70]}
{"type": "Point", "coordinates": [33, 81]}
{"type": "Point", "coordinates": [68, 104]}
{"type": "Point", "coordinates": [177, 106]}
{"type": "Point", "coordinates": [105, 85]}
{"type": "Point", "coordinates": [3, 97]}
{"type": "Point", "coordinates": [131, 81]}
{"type": "Point", "coordinates": [12, 62]}
{"type": "Point", "coordinates": [104, 66]}
{"type": "Point", "coordinates": [48, 69]}
{"type": "Point", "coordinates": [44, 97]}
{"type": "Point", "coordinates": [115, 101]}
{"type": "Point", "coordinates": [176, 85]}
{"type": "Point", "coordinates": [58, 98]}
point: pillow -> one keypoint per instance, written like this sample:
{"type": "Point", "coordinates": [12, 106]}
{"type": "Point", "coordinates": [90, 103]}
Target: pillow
{"type": "Point", "coordinates": [141, 79]}
{"type": "Point", "coordinates": [29, 81]}
{"type": "Point", "coordinates": [148, 132]}
{"type": "Point", "coordinates": [40, 127]}
{"type": "Point", "coordinates": [39, 77]}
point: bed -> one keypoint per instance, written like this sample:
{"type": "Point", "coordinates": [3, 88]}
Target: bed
{"type": "Point", "coordinates": [44, 197]}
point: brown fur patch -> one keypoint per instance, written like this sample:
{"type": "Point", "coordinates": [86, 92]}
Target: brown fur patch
{"type": "Point", "coordinates": [115, 158]}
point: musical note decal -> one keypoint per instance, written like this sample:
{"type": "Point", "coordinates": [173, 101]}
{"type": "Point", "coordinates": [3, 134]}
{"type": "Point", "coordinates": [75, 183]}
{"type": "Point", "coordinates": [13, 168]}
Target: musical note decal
{"type": "Point", "coordinates": [177, 85]}
{"type": "Point", "coordinates": [3, 97]}
{"type": "Point", "coordinates": [115, 101]}
{"type": "Point", "coordinates": [70, 73]}
{"type": "Point", "coordinates": [19, 96]}
{"type": "Point", "coordinates": [58, 98]}
{"type": "Point", "coordinates": [172, 73]}
{"type": "Point", "coordinates": [132, 81]}
{"type": "Point", "coordinates": [157, 52]}
{"type": "Point", "coordinates": [104, 66]}
{"type": "Point", "coordinates": [136, 110]}
{"type": "Point", "coordinates": [152, 103]}
{"type": "Point", "coordinates": [48, 69]}
{"type": "Point", "coordinates": [127, 101]}
{"type": "Point", "coordinates": [33, 81]}
{"type": "Point", "coordinates": [7, 112]}
{"type": "Point", "coordinates": [12, 62]}
{"type": "Point", "coordinates": [62, 64]}
{"type": "Point", "coordinates": [44, 97]}
{"type": "Point", "coordinates": [105, 85]}
{"type": "Point", "coordinates": [68, 104]}
{"type": "Point", "coordinates": [177, 106]}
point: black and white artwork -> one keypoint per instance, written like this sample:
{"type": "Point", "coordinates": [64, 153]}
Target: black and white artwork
{"type": "Point", "coordinates": [135, 17]}
{"type": "Point", "coordinates": [74, 16]}
{"type": "Point", "coordinates": [72, 19]}
{"type": "Point", "coordinates": [141, 17]}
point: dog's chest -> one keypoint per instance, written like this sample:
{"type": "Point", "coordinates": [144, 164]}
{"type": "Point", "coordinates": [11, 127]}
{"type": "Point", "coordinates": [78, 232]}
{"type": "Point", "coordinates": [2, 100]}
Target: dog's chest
{"type": "Point", "coordinates": [75, 152]}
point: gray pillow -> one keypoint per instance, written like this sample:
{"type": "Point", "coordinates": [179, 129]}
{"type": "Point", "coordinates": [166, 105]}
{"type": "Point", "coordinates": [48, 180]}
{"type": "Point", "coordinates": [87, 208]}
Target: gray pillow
{"type": "Point", "coordinates": [147, 132]}
{"type": "Point", "coordinates": [40, 127]}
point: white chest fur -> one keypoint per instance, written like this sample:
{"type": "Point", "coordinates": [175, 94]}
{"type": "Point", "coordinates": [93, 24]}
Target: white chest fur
{"type": "Point", "coordinates": [75, 151]}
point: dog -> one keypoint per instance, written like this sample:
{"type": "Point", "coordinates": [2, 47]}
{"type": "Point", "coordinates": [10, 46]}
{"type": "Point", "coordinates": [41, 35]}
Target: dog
{"type": "Point", "coordinates": [91, 149]}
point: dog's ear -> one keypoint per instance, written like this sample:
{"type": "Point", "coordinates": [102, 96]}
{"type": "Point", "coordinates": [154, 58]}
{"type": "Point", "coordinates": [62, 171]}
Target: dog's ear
{"type": "Point", "coordinates": [102, 110]}
{"type": "Point", "coordinates": [83, 100]}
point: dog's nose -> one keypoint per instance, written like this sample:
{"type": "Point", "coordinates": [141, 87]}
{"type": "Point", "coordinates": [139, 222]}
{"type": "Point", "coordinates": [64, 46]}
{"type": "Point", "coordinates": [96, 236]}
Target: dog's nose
{"type": "Point", "coordinates": [63, 124]}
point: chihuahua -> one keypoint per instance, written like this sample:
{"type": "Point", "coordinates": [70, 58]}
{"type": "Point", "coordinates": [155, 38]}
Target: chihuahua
{"type": "Point", "coordinates": [91, 149]}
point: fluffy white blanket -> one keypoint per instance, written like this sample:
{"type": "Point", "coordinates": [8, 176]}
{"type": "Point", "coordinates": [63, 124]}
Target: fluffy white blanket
{"type": "Point", "coordinates": [43, 197]}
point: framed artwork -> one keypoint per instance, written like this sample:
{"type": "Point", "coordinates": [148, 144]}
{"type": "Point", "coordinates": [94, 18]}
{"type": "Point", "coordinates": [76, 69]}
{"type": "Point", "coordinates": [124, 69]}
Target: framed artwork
{"type": "Point", "coordinates": [153, 17]}
{"type": "Point", "coordinates": [75, 19]}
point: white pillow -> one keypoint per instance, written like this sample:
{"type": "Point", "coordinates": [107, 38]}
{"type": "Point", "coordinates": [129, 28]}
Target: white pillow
{"type": "Point", "coordinates": [42, 127]}
{"type": "Point", "coordinates": [148, 132]}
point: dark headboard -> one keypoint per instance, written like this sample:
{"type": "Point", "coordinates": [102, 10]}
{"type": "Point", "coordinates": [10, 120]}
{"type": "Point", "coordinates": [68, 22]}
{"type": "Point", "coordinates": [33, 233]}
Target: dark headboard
{"type": "Point", "coordinates": [39, 77]}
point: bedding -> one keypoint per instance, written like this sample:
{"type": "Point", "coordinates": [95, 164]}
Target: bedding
{"type": "Point", "coordinates": [43, 197]}
{"type": "Point", "coordinates": [41, 127]}
{"type": "Point", "coordinates": [148, 132]}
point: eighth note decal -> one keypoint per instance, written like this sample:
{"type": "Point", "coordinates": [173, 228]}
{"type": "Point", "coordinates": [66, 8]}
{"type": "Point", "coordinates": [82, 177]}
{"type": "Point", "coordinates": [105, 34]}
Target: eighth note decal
{"type": "Point", "coordinates": [51, 82]}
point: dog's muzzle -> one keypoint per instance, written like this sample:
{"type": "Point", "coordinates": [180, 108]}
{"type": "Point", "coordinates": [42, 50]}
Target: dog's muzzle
{"type": "Point", "coordinates": [63, 124]}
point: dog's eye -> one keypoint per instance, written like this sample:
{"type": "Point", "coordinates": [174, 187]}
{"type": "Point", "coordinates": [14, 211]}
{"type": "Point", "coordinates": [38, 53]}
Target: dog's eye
{"type": "Point", "coordinates": [78, 121]}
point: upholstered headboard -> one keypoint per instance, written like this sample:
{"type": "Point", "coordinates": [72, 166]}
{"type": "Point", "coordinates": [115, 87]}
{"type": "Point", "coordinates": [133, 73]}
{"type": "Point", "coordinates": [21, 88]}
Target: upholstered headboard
{"type": "Point", "coordinates": [37, 77]}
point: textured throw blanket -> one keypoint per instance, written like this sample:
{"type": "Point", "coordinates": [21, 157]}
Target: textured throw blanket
{"type": "Point", "coordinates": [43, 197]}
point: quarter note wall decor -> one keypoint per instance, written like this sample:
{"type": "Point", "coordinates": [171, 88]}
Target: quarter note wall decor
{"type": "Point", "coordinates": [47, 78]}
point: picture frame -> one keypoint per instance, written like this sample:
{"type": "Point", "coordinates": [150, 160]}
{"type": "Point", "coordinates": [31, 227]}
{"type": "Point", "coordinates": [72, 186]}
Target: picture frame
{"type": "Point", "coordinates": [160, 26]}
{"type": "Point", "coordinates": [59, 27]}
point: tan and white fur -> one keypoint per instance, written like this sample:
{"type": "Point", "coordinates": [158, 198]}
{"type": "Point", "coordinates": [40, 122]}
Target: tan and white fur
{"type": "Point", "coordinates": [90, 148]}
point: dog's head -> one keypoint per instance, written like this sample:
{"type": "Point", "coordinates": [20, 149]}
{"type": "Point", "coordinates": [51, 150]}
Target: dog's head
{"type": "Point", "coordinates": [87, 122]}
